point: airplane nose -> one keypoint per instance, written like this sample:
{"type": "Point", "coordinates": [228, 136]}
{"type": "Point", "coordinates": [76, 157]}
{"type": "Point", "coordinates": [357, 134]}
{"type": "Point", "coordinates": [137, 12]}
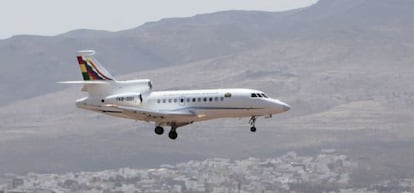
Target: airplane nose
{"type": "Point", "coordinates": [285, 107]}
{"type": "Point", "coordinates": [280, 106]}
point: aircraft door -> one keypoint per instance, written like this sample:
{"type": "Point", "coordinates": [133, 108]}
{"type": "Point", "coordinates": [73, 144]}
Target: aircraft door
{"type": "Point", "coordinates": [138, 99]}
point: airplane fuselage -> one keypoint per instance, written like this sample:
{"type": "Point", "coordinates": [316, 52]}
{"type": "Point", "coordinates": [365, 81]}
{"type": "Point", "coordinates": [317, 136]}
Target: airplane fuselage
{"type": "Point", "coordinates": [205, 104]}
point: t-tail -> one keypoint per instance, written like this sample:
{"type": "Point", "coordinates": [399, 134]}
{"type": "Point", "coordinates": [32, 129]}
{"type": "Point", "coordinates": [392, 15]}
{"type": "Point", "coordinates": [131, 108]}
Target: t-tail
{"type": "Point", "coordinates": [100, 84]}
{"type": "Point", "coordinates": [90, 68]}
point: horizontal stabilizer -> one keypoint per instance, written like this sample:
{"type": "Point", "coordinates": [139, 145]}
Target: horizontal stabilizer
{"type": "Point", "coordinates": [84, 82]}
{"type": "Point", "coordinates": [90, 85]}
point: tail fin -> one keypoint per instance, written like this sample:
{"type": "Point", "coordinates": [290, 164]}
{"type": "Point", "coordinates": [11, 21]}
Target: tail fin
{"type": "Point", "coordinates": [90, 68]}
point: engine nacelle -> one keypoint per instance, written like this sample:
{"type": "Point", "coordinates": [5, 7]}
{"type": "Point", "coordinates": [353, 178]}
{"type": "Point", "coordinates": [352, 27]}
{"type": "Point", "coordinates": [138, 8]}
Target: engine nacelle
{"type": "Point", "coordinates": [126, 99]}
{"type": "Point", "coordinates": [141, 85]}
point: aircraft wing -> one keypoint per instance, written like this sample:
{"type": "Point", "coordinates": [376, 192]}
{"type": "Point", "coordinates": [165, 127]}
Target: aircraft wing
{"type": "Point", "coordinates": [154, 115]}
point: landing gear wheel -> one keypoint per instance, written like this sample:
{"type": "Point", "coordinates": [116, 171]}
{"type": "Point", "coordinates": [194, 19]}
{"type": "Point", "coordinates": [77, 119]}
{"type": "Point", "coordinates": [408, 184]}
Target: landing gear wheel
{"type": "Point", "coordinates": [253, 129]}
{"type": "Point", "coordinates": [252, 122]}
{"type": "Point", "coordinates": [172, 135]}
{"type": "Point", "coordinates": [159, 130]}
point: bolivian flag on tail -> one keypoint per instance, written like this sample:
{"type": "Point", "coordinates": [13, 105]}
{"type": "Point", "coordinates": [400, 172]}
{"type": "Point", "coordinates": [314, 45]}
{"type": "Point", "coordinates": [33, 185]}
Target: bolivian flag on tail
{"type": "Point", "coordinates": [90, 68]}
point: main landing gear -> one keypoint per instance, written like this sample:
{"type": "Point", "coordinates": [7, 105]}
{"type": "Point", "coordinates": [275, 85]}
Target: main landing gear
{"type": "Point", "coordinates": [172, 134]}
{"type": "Point", "coordinates": [252, 122]}
{"type": "Point", "coordinates": [159, 130]}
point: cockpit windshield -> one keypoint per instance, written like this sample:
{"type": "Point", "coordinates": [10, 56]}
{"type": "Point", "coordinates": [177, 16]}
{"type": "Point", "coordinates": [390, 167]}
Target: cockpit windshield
{"type": "Point", "coordinates": [258, 95]}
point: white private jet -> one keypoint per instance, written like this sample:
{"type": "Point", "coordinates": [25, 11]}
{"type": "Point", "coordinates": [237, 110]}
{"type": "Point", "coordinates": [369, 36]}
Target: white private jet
{"type": "Point", "coordinates": [135, 99]}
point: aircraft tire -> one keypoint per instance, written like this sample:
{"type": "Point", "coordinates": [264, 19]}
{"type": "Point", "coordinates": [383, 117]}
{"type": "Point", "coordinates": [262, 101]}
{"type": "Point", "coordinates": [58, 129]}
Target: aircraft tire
{"type": "Point", "coordinates": [172, 135]}
{"type": "Point", "coordinates": [253, 129]}
{"type": "Point", "coordinates": [159, 130]}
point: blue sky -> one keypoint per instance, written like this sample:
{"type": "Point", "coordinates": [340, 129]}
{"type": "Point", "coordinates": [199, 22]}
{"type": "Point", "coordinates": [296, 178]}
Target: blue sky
{"type": "Point", "coordinates": [52, 17]}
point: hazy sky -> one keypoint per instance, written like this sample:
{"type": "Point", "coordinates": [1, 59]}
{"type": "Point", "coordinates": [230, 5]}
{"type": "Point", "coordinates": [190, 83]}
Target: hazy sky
{"type": "Point", "coordinates": [51, 17]}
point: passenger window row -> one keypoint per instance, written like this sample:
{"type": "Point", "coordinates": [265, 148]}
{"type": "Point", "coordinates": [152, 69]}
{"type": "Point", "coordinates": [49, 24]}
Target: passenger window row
{"type": "Point", "coordinates": [188, 100]}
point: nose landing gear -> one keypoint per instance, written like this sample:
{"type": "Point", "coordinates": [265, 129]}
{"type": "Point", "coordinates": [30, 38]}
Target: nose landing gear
{"type": "Point", "coordinates": [252, 122]}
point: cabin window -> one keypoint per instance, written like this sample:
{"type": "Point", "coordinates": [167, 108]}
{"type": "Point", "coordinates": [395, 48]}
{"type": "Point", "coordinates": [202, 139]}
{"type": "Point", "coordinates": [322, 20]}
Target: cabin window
{"type": "Point", "coordinates": [181, 100]}
{"type": "Point", "coordinates": [164, 100]}
{"type": "Point", "coordinates": [158, 100]}
{"type": "Point", "coordinates": [253, 95]}
{"type": "Point", "coordinates": [210, 99]}
{"type": "Point", "coordinates": [188, 100]}
{"type": "Point", "coordinates": [175, 100]}
{"type": "Point", "coordinates": [221, 98]}
{"type": "Point", "coordinates": [215, 98]}
{"type": "Point", "coordinates": [194, 100]}
{"type": "Point", "coordinates": [169, 100]}
{"type": "Point", "coordinates": [199, 100]}
{"type": "Point", "coordinates": [205, 99]}
{"type": "Point", "coordinates": [227, 95]}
